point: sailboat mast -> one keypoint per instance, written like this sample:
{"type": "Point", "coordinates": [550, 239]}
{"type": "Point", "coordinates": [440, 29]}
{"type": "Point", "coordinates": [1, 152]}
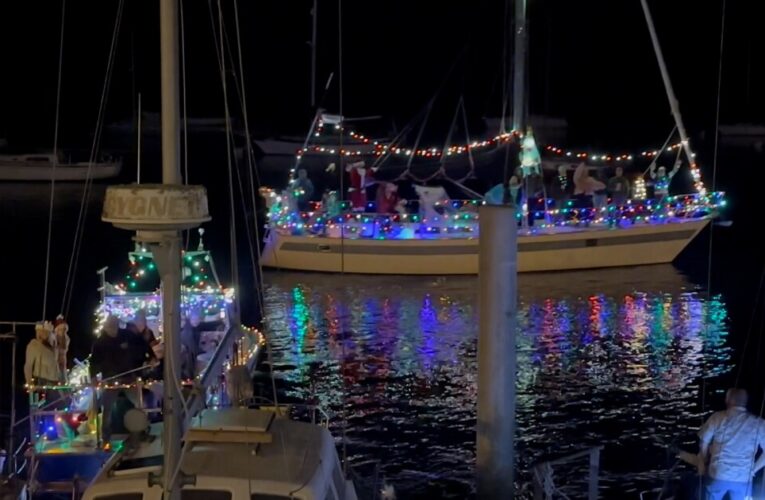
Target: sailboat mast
{"type": "Point", "coordinates": [519, 67]}
{"type": "Point", "coordinates": [673, 104]}
{"type": "Point", "coordinates": [314, 13]}
{"type": "Point", "coordinates": [168, 252]}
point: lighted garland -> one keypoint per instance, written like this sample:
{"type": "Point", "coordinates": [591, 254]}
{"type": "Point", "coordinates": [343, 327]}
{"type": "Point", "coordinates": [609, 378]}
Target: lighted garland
{"type": "Point", "coordinates": [460, 218]}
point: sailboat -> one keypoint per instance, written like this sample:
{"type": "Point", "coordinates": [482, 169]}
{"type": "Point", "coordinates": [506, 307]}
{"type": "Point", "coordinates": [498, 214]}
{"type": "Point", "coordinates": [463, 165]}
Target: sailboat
{"type": "Point", "coordinates": [442, 236]}
{"type": "Point", "coordinates": [200, 449]}
{"type": "Point", "coordinates": [41, 167]}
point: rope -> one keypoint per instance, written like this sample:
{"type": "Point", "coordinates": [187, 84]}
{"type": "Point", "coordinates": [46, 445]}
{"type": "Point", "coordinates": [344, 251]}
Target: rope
{"type": "Point", "coordinates": [186, 233]}
{"type": "Point", "coordinates": [79, 231]}
{"type": "Point", "coordinates": [342, 224]}
{"type": "Point", "coordinates": [714, 185]}
{"type": "Point", "coordinates": [253, 173]}
{"type": "Point", "coordinates": [55, 160]}
{"type": "Point", "coordinates": [663, 147]}
{"type": "Point", "coordinates": [232, 208]}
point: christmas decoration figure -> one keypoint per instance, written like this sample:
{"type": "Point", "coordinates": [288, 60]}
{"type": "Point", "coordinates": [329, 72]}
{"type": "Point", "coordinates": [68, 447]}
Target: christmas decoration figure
{"type": "Point", "coordinates": [361, 178]}
{"type": "Point", "coordinates": [61, 331]}
{"type": "Point", "coordinates": [531, 160]}
{"type": "Point", "coordinates": [388, 200]}
{"type": "Point", "coordinates": [429, 198]}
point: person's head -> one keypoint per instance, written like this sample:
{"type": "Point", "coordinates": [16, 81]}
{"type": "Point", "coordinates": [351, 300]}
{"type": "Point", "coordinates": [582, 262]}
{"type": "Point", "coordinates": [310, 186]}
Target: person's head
{"type": "Point", "coordinates": [195, 318]}
{"type": "Point", "coordinates": [302, 174]}
{"type": "Point", "coordinates": [662, 171]}
{"type": "Point", "coordinates": [112, 325]}
{"type": "Point", "coordinates": [619, 171]}
{"type": "Point", "coordinates": [390, 188]}
{"type": "Point", "coordinates": [736, 397]}
{"type": "Point", "coordinates": [513, 181]}
{"type": "Point", "coordinates": [562, 170]}
{"type": "Point", "coordinates": [41, 333]}
{"type": "Point", "coordinates": [140, 320]}
{"type": "Point", "coordinates": [132, 327]}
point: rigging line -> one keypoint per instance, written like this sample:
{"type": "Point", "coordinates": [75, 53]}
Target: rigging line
{"type": "Point", "coordinates": [663, 147]}
{"type": "Point", "coordinates": [186, 233]}
{"type": "Point", "coordinates": [252, 173]}
{"type": "Point", "coordinates": [232, 208]}
{"type": "Point", "coordinates": [751, 325]}
{"type": "Point", "coordinates": [342, 225]}
{"type": "Point", "coordinates": [55, 160]}
{"type": "Point", "coordinates": [717, 141]}
{"type": "Point", "coordinates": [77, 243]}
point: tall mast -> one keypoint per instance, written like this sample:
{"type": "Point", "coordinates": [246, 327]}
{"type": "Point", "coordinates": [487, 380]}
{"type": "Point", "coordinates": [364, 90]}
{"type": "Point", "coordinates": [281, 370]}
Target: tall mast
{"type": "Point", "coordinates": [673, 104]}
{"type": "Point", "coordinates": [168, 252]}
{"type": "Point", "coordinates": [519, 65]}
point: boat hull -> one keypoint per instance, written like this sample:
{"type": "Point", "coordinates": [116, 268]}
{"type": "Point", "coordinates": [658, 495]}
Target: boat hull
{"type": "Point", "coordinates": [575, 249]}
{"type": "Point", "coordinates": [65, 172]}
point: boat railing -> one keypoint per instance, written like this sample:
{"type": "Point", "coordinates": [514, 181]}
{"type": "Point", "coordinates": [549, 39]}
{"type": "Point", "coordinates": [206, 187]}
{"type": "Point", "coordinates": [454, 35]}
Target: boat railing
{"type": "Point", "coordinates": [543, 474]}
{"type": "Point", "coordinates": [317, 414]}
{"type": "Point", "coordinates": [460, 217]}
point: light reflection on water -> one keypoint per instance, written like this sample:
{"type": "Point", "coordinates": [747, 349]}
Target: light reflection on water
{"type": "Point", "coordinates": [604, 357]}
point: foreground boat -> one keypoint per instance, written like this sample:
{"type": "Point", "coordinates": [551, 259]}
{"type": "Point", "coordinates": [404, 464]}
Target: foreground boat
{"type": "Point", "coordinates": [237, 454]}
{"type": "Point", "coordinates": [41, 167]}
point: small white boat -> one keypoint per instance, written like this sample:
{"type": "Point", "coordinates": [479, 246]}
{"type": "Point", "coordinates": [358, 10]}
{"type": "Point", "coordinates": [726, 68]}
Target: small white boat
{"type": "Point", "coordinates": [40, 167]}
{"type": "Point", "coordinates": [234, 454]}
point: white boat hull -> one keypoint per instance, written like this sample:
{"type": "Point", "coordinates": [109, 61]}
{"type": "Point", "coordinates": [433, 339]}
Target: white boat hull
{"type": "Point", "coordinates": [588, 248]}
{"type": "Point", "coordinates": [64, 172]}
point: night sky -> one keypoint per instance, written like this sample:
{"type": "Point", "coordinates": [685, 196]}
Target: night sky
{"type": "Point", "coordinates": [591, 62]}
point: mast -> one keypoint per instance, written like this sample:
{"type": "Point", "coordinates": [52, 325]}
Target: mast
{"type": "Point", "coordinates": [314, 13]}
{"type": "Point", "coordinates": [168, 252]}
{"type": "Point", "coordinates": [158, 212]}
{"type": "Point", "coordinates": [673, 103]}
{"type": "Point", "coordinates": [519, 67]}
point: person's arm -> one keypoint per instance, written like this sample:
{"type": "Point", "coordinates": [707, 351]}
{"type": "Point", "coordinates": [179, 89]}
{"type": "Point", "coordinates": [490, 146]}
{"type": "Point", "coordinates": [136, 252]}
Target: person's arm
{"type": "Point", "coordinates": [706, 434]}
{"type": "Point", "coordinates": [760, 462]}
{"type": "Point", "coordinates": [29, 363]}
{"type": "Point", "coordinates": [674, 169]}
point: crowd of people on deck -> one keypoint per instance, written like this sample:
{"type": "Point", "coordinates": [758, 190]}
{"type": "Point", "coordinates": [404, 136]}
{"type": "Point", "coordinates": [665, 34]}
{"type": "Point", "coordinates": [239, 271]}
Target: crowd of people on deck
{"type": "Point", "coordinates": [122, 353]}
{"type": "Point", "coordinates": [570, 187]}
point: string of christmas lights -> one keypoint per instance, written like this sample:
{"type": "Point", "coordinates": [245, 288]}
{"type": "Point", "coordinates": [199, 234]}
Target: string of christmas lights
{"type": "Point", "coordinates": [460, 217]}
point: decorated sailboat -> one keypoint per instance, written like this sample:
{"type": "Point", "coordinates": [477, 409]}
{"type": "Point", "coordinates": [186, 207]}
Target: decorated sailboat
{"type": "Point", "coordinates": [437, 234]}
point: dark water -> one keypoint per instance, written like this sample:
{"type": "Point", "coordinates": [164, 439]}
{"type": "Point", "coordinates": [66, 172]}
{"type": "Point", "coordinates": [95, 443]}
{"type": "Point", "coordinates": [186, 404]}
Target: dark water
{"type": "Point", "coordinates": [610, 358]}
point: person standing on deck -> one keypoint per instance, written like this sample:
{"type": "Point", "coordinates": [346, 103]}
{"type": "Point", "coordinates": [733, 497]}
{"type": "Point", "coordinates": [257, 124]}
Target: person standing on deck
{"type": "Point", "coordinates": [302, 190]}
{"type": "Point", "coordinates": [41, 363]}
{"type": "Point", "coordinates": [729, 441]}
{"type": "Point", "coordinates": [662, 179]}
{"type": "Point", "coordinates": [619, 188]}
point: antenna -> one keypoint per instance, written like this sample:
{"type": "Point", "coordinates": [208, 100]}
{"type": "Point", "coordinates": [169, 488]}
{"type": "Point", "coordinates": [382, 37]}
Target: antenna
{"type": "Point", "coordinates": [138, 159]}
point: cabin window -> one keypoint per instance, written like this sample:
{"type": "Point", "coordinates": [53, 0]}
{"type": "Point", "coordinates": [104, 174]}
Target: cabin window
{"type": "Point", "coordinates": [205, 495]}
{"type": "Point", "coordinates": [121, 496]}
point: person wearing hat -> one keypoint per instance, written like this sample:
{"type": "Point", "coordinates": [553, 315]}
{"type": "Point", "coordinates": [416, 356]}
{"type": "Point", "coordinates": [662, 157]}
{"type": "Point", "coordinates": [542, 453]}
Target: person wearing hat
{"type": "Point", "coordinates": [41, 364]}
{"type": "Point", "coordinates": [61, 330]}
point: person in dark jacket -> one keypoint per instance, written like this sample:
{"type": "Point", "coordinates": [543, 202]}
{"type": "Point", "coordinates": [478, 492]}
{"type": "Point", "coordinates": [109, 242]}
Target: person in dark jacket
{"type": "Point", "coordinates": [116, 356]}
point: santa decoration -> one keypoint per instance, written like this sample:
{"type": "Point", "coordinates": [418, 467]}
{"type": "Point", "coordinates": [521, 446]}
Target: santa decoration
{"type": "Point", "coordinates": [361, 178]}
{"type": "Point", "coordinates": [388, 199]}
{"type": "Point", "coordinates": [61, 330]}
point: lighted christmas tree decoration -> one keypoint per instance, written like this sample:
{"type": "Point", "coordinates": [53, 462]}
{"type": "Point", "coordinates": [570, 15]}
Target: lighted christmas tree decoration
{"type": "Point", "coordinates": [640, 191]}
{"type": "Point", "coordinates": [531, 160]}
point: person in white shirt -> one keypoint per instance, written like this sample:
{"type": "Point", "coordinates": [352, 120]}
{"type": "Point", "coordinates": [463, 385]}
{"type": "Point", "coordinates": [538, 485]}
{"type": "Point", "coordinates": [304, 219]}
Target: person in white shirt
{"type": "Point", "coordinates": [41, 362]}
{"type": "Point", "coordinates": [729, 441]}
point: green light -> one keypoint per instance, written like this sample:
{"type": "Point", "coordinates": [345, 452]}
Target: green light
{"type": "Point", "coordinates": [151, 265]}
{"type": "Point", "coordinates": [132, 284]}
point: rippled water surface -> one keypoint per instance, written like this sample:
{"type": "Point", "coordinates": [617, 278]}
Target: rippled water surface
{"type": "Point", "coordinates": [609, 357]}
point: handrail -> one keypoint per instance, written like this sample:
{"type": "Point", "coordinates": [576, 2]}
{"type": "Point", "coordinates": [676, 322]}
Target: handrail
{"type": "Point", "coordinates": [544, 487]}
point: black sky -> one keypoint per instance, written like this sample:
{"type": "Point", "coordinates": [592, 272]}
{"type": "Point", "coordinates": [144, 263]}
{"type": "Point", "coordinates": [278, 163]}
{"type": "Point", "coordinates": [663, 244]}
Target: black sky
{"type": "Point", "coordinates": [590, 62]}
